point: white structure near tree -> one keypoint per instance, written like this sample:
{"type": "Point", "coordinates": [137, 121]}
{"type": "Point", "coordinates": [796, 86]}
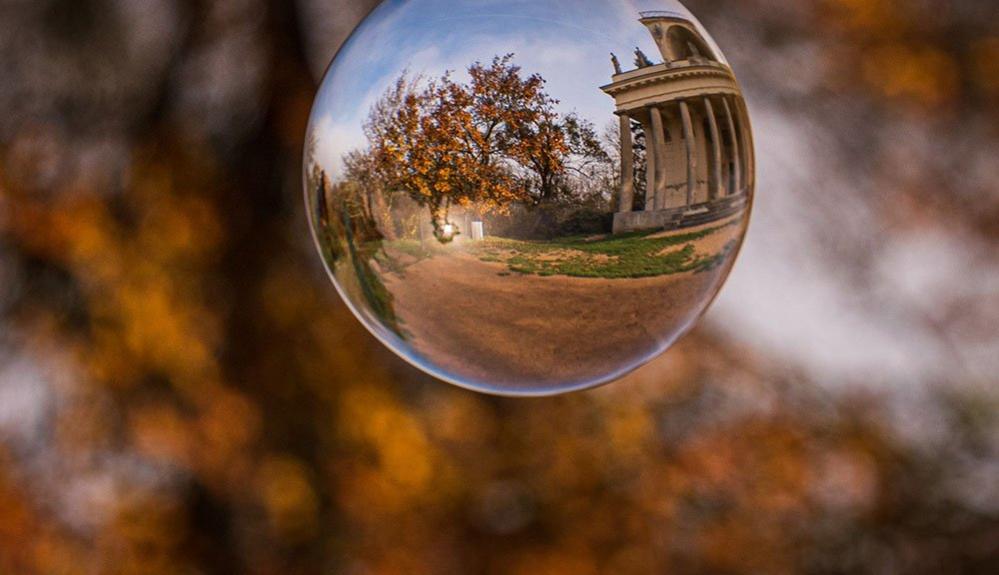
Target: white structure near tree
{"type": "Point", "coordinates": [478, 231]}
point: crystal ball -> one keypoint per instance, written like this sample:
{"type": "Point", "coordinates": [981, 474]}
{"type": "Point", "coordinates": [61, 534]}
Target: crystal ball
{"type": "Point", "coordinates": [529, 197]}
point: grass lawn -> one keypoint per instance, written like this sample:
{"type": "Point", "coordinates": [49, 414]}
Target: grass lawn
{"type": "Point", "coordinates": [623, 256]}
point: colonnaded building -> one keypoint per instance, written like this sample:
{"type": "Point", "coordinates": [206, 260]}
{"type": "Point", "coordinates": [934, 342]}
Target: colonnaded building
{"type": "Point", "coordinates": [699, 148]}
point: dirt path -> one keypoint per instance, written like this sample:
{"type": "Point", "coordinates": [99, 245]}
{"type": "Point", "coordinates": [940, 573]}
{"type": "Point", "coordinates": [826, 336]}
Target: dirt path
{"type": "Point", "coordinates": [481, 323]}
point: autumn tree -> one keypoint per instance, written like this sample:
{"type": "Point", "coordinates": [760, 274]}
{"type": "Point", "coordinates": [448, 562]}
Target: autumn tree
{"type": "Point", "coordinates": [491, 142]}
{"type": "Point", "coordinates": [428, 144]}
{"type": "Point", "coordinates": [505, 122]}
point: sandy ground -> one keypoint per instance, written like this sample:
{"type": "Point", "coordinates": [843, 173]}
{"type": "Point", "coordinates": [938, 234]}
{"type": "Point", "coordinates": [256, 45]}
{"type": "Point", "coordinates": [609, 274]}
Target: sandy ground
{"type": "Point", "coordinates": [481, 323]}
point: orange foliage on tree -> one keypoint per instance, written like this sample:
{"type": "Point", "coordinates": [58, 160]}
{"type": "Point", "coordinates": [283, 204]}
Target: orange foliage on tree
{"type": "Point", "coordinates": [452, 144]}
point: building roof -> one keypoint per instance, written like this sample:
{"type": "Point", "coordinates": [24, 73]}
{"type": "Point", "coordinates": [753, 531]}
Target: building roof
{"type": "Point", "coordinates": [672, 14]}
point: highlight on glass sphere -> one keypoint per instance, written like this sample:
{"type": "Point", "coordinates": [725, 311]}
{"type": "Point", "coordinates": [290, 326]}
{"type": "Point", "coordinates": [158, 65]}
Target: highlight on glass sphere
{"type": "Point", "coordinates": [529, 197]}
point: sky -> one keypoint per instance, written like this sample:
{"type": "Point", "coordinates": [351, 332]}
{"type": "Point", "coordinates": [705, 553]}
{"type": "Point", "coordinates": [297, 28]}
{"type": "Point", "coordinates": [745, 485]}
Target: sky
{"type": "Point", "coordinates": [568, 42]}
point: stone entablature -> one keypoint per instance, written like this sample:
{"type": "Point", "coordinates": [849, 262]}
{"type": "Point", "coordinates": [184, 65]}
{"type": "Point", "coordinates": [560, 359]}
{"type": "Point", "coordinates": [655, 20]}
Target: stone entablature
{"type": "Point", "coordinates": [645, 86]}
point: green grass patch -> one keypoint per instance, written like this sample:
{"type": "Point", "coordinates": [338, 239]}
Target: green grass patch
{"type": "Point", "coordinates": [632, 255]}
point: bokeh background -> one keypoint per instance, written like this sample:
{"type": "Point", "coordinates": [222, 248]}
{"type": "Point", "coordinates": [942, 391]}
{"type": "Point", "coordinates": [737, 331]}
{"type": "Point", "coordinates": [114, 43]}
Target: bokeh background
{"type": "Point", "coordinates": [181, 390]}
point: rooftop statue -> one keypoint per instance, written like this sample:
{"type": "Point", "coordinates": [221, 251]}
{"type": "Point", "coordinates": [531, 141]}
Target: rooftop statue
{"type": "Point", "coordinates": [641, 60]}
{"type": "Point", "coordinates": [616, 62]}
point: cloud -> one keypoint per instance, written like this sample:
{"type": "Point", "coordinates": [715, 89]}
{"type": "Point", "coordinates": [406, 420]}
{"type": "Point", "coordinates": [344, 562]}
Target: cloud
{"type": "Point", "coordinates": [333, 141]}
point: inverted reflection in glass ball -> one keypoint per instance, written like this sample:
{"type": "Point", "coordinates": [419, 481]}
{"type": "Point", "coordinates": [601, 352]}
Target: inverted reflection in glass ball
{"type": "Point", "coordinates": [525, 199]}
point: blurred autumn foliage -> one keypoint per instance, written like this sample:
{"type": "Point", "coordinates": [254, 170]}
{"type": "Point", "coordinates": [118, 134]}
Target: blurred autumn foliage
{"type": "Point", "coordinates": [181, 390]}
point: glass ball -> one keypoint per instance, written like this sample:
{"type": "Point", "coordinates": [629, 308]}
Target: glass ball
{"type": "Point", "coordinates": [529, 197]}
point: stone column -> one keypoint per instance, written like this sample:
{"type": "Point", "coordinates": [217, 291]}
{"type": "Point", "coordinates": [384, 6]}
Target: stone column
{"type": "Point", "coordinates": [716, 152]}
{"type": "Point", "coordinates": [651, 167]}
{"type": "Point", "coordinates": [736, 154]}
{"type": "Point", "coordinates": [627, 200]}
{"type": "Point", "coordinates": [748, 149]}
{"type": "Point", "coordinates": [660, 132]}
{"type": "Point", "coordinates": [688, 136]}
